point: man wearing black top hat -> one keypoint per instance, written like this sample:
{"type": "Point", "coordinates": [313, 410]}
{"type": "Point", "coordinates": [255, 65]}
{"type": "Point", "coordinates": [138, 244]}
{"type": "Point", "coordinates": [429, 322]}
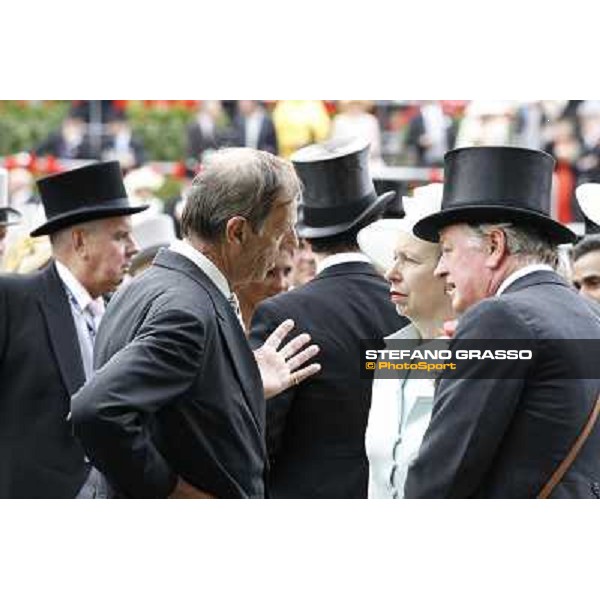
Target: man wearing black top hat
{"type": "Point", "coordinates": [316, 431]}
{"type": "Point", "coordinates": [502, 429]}
{"type": "Point", "coordinates": [47, 332]}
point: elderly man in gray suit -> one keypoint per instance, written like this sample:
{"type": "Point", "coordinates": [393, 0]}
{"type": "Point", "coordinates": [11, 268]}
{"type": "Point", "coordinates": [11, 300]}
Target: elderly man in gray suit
{"type": "Point", "coordinates": [177, 405]}
{"type": "Point", "coordinates": [509, 429]}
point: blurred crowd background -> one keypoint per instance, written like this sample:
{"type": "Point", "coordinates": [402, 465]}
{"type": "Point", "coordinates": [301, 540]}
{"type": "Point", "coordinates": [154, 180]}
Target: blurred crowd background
{"type": "Point", "coordinates": [161, 145]}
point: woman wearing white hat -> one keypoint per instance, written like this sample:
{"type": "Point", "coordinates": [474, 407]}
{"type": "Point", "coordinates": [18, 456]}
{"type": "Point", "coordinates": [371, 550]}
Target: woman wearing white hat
{"type": "Point", "coordinates": [401, 408]}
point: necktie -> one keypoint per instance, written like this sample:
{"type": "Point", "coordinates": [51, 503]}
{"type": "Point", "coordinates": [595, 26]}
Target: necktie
{"type": "Point", "coordinates": [90, 323]}
{"type": "Point", "coordinates": [86, 343]}
{"type": "Point", "coordinates": [235, 305]}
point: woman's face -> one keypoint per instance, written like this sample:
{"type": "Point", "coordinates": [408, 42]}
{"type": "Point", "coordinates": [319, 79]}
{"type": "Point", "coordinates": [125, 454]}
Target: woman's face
{"type": "Point", "coordinates": [415, 291]}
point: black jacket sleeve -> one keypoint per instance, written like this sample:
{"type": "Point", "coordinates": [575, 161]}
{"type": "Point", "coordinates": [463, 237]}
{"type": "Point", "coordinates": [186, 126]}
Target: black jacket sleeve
{"type": "Point", "coordinates": [470, 414]}
{"type": "Point", "coordinates": [112, 412]}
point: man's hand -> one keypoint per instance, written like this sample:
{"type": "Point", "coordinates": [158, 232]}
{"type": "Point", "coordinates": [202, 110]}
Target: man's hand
{"type": "Point", "coordinates": [185, 491]}
{"type": "Point", "coordinates": [280, 369]}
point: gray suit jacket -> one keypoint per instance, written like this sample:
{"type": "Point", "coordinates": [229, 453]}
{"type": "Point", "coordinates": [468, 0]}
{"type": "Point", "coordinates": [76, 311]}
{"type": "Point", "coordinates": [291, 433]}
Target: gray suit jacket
{"type": "Point", "coordinates": [177, 390]}
{"type": "Point", "coordinates": [503, 437]}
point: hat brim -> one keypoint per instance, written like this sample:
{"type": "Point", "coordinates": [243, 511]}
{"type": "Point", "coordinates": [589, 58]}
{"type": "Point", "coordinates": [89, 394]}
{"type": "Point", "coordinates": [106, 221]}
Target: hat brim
{"type": "Point", "coordinates": [588, 198]}
{"type": "Point", "coordinates": [9, 216]}
{"type": "Point", "coordinates": [378, 240]}
{"type": "Point", "coordinates": [83, 216]}
{"type": "Point", "coordinates": [308, 232]}
{"type": "Point", "coordinates": [429, 228]}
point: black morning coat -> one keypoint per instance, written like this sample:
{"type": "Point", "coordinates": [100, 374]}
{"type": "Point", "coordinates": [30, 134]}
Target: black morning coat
{"type": "Point", "coordinates": [316, 431]}
{"type": "Point", "coordinates": [40, 367]}
{"type": "Point", "coordinates": [177, 391]}
{"type": "Point", "coordinates": [503, 437]}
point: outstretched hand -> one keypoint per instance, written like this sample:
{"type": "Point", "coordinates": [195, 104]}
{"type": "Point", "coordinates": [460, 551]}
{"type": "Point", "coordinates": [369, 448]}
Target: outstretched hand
{"type": "Point", "coordinates": [281, 368]}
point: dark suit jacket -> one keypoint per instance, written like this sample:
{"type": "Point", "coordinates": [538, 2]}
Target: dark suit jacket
{"type": "Point", "coordinates": [40, 367]}
{"type": "Point", "coordinates": [501, 437]}
{"type": "Point", "coordinates": [267, 136]}
{"type": "Point", "coordinates": [177, 390]}
{"type": "Point", "coordinates": [55, 145]}
{"type": "Point", "coordinates": [316, 431]}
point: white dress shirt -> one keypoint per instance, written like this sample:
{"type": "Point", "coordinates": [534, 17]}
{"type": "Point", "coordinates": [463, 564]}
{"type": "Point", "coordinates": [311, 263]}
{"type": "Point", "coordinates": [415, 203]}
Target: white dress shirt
{"type": "Point", "coordinates": [339, 259]}
{"type": "Point", "coordinates": [521, 273]}
{"type": "Point", "coordinates": [86, 312]}
{"type": "Point", "coordinates": [399, 415]}
{"type": "Point", "coordinates": [210, 270]}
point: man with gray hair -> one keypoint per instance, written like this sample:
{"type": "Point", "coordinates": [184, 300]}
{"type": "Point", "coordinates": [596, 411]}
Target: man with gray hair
{"type": "Point", "coordinates": [177, 405]}
{"type": "Point", "coordinates": [48, 324]}
{"type": "Point", "coordinates": [509, 428]}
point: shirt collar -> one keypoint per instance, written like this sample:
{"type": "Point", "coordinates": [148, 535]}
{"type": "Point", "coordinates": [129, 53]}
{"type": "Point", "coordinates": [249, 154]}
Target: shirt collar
{"type": "Point", "coordinates": [521, 273]}
{"type": "Point", "coordinates": [209, 268]}
{"type": "Point", "coordinates": [340, 258]}
{"type": "Point", "coordinates": [81, 295]}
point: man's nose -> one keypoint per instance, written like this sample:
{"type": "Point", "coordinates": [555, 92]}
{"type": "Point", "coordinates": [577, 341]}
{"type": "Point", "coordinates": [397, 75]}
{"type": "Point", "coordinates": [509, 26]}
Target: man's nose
{"type": "Point", "coordinates": [440, 269]}
{"type": "Point", "coordinates": [132, 246]}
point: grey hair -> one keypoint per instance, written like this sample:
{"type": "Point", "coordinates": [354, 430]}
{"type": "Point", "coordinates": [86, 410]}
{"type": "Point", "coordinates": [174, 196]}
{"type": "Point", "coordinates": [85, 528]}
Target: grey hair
{"type": "Point", "coordinates": [61, 239]}
{"type": "Point", "coordinates": [522, 241]}
{"type": "Point", "coordinates": [237, 182]}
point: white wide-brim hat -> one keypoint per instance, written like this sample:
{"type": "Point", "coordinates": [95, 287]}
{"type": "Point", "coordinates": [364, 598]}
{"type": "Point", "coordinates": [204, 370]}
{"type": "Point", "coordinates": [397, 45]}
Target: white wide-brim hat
{"type": "Point", "coordinates": [588, 198]}
{"type": "Point", "coordinates": [378, 240]}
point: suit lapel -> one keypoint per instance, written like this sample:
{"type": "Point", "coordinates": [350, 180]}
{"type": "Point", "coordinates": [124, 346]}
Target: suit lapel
{"type": "Point", "coordinates": [245, 367]}
{"type": "Point", "coordinates": [241, 355]}
{"type": "Point", "coordinates": [61, 329]}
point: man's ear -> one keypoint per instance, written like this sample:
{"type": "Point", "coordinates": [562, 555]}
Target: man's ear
{"type": "Point", "coordinates": [497, 247]}
{"type": "Point", "coordinates": [78, 238]}
{"type": "Point", "coordinates": [236, 230]}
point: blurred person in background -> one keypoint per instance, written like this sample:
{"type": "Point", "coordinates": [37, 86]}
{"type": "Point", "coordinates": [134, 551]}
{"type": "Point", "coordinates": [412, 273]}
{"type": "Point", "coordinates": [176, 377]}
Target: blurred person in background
{"type": "Point", "coordinates": [588, 165]}
{"type": "Point", "coordinates": [70, 141]}
{"type": "Point", "coordinates": [355, 121]}
{"type": "Point", "coordinates": [299, 123]}
{"type": "Point", "coordinates": [304, 265]}
{"type": "Point", "coordinates": [121, 144]}
{"type": "Point", "coordinates": [585, 257]}
{"type": "Point", "coordinates": [8, 217]}
{"type": "Point", "coordinates": [254, 127]}
{"type": "Point", "coordinates": [151, 234]}
{"type": "Point", "coordinates": [564, 145]}
{"type": "Point", "coordinates": [46, 344]}
{"type": "Point", "coordinates": [276, 281]}
{"type": "Point", "coordinates": [209, 131]}
{"type": "Point", "coordinates": [487, 123]}
{"type": "Point", "coordinates": [28, 254]}
{"type": "Point", "coordinates": [141, 185]}
{"type": "Point", "coordinates": [431, 133]}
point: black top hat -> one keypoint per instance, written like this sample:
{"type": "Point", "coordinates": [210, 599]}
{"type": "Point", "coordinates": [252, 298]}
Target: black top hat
{"type": "Point", "coordinates": [92, 192]}
{"type": "Point", "coordinates": [338, 190]}
{"type": "Point", "coordinates": [9, 216]}
{"type": "Point", "coordinates": [493, 184]}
